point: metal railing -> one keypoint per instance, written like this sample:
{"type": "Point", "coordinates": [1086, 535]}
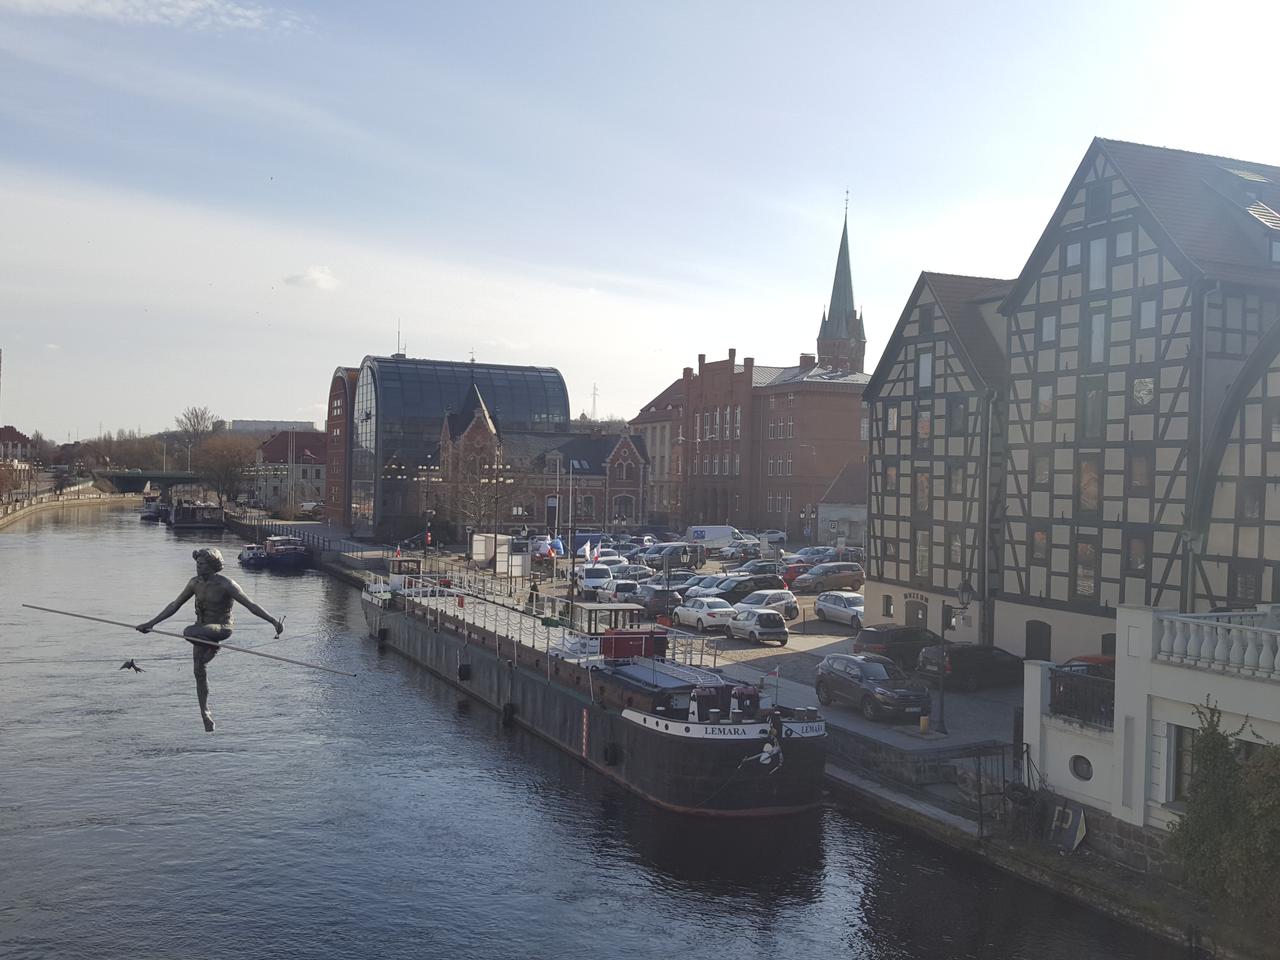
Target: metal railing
{"type": "Point", "coordinates": [71, 495]}
{"type": "Point", "coordinates": [1078, 696]}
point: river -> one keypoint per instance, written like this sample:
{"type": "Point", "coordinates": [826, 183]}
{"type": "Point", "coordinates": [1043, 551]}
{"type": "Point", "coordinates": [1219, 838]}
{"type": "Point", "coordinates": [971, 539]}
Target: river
{"type": "Point", "coordinates": [385, 816]}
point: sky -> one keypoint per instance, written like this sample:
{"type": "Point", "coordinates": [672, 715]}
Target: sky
{"type": "Point", "coordinates": [218, 202]}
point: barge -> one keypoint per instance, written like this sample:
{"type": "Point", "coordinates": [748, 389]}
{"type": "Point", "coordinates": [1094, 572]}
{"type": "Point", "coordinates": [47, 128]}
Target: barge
{"type": "Point", "coordinates": [637, 704]}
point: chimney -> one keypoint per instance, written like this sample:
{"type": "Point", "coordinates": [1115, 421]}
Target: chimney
{"type": "Point", "coordinates": [808, 361]}
{"type": "Point", "coordinates": [702, 362]}
{"type": "Point", "coordinates": [732, 354]}
{"type": "Point", "coordinates": [688, 373]}
{"type": "Point", "coordinates": [748, 364]}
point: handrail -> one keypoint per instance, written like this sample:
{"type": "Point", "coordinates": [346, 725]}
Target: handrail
{"type": "Point", "coordinates": [1233, 645]}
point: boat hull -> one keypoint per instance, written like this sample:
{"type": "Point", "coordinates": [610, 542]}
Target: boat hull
{"type": "Point", "coordinates": [684, 768]}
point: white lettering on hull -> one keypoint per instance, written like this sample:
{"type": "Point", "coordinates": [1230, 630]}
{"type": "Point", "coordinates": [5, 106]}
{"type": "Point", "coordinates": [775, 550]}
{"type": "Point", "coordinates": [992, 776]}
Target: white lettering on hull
{"type": "Point", "coordinates": [707, 731]}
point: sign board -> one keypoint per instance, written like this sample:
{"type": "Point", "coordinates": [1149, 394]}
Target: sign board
{"type": "Point", "coordinates": [833, 525]}
{"type": "Point", "coordinates": [1067, 829]}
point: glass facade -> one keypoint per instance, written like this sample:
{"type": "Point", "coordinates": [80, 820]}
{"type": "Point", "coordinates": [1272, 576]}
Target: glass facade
{"type": "Point", "coordinates": [400, 408]}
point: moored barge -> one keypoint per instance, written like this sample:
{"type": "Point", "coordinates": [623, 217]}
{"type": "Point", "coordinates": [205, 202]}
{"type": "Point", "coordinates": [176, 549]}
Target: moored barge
{"type": "Point", "coordinates": [629, 702]}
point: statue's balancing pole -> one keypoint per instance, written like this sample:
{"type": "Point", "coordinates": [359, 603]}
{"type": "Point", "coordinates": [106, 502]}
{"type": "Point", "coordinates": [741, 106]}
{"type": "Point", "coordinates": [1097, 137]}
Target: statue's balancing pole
{"type": "Point", "coordinates": [207, 643]}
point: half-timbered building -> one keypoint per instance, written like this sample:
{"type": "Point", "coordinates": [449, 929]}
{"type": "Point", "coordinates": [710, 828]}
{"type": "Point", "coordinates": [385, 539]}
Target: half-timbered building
{"type": "Point", "coordinates": [936, 459]}
{"type": "Point", "coordinates": [1140, 338]}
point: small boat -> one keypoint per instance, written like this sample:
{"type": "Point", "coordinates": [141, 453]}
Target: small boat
{"type": "Point", "coordinates": [253, 556]}
{"type": "Point", "coordinates": [195, 516]}
{"type": "Point", "coordinates": [286, 553]}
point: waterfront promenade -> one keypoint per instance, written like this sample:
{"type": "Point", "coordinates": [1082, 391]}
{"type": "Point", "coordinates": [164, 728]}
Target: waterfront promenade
{"type": "Point", "coordinates": [83, 495]}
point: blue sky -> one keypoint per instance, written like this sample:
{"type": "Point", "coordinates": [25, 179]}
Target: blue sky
{"type": "Point", "coordinates": [217, 203]}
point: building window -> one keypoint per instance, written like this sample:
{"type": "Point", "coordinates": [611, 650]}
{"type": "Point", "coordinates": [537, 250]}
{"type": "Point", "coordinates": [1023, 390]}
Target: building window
{"type": "Point", "coordinates": [926, 319]}
{"type": "Point", "coordinates": [1039, 541]}
{"type": "Point", "coordinates": [706, 466]}
{"type": "Point", "coordinates": [1085, 575]}
{"type": "Point", "coordinates": [772, 400]}
{"type": "Point", "coordinates": [1073, 255]}
{"type": "Point", "coordinates": [697, 427]}
{"type": "Point", "coordinates": [891, 418]}
{"type": "Point", "coordinates": [1147, 315]}
{"type": "Point", "coordinates": [1096, 202]}
{"type": "Point", "coordinates": [693, 467]}
{"type": "Point", "coordinates": [1271, 422]}
{"type": "Point", "coordinates": [886, 606]}
{"type": "Point", "coordinates": [921, 501]}
{"type": "Point", "coordinates": [1137, 554]}
{"type": "Point", "coordinates": [737, 422]}
{"type": "Point", "coordinates": [771, 466]}
{"type": "Point", "coordinates": [865, 428]}
{"type": "Point", "coordinates": [924, 427]}
{"type": "Point", "coordinates": [1089, 483]}
{"type": "Point", "coordinates": [1098, 264]}
{"type": "Point", "coordinates": [1140, 472]}
{"type": "Point", "coordinates": [791, 399]}
{"type": "Point", "coordinates": [737, 464]}
{"type": "Point", "coordinates": [924, 370]}
{"type": "Point", "coordinates": [955, 480]}
{"type": "Point", "coordinates": [957, 417]}
{"type": "Point", "coordinates": [1042, 469]}
{"type": "Point", "coordinates": [891, 478]}
{"type": "Point", "coordinates": [791, 427]}
{"type": "Point", "coordinates": [1244, 587]}
{"type": "Point", "coordinates": [921, 556]}
{"type": "Point", "coordinates": [1048, 329]}
{"type": "Point", "coordinates": [715, 424]}
{"type": "Point", "coordinates": [770, 507]}
{"type": "Point", "coordinates": [1093, 408]}
{"type": "Point", "coordinates": [788, 464]}
{"type": "Point", "coordinates": [1124, 244]}
{"type": "Point", "coordinates": [1184, 741]}
{"type": "Point", "coordinates": [1044, 400]}
{"type": "Point", "coordinates": [1142, 393]}
{"type": "Point", "coordinates": [1093, 340]}
{"type": "Point", "coordinates": [955, 548]}
{"type": "Point", "coordinates": [1250, 493]}
{"type": "Point", "coordinates": [891, 549]}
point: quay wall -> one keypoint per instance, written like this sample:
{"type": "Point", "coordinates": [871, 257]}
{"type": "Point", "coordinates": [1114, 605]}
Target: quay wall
{"type": "Point", "coordinates": [13, 512]}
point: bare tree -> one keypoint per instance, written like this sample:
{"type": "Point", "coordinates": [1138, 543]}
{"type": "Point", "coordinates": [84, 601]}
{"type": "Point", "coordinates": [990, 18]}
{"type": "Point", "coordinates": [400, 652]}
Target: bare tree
{"type": "Point", "coordinates": [8, 479]}
{"type": "Point", "coordinates": [194, 424]}
{"type": "Point", "coordinates": [225, 461]}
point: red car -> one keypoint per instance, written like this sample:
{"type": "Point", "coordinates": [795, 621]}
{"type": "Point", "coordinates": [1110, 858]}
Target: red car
{"type": "Point", "coordinates": [794, 570]}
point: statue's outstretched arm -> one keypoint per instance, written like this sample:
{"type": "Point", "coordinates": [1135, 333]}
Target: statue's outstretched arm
{"type": "Point", "coordinates": [239, 596]}
{"type": "Point", "coordinates": [186, 594]}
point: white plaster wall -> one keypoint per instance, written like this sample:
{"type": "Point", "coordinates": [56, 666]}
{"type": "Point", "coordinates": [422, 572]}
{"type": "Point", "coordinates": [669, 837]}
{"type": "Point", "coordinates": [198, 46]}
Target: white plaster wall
{"type": "Point", "coordinates": [1072, 634]}
{"type": "Point", "coordinates": [1062, 740]}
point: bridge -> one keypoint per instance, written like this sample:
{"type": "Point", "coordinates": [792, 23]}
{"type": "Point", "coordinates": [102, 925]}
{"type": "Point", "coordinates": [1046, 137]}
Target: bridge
{"type": "Point", "coordinates": [134, 481]}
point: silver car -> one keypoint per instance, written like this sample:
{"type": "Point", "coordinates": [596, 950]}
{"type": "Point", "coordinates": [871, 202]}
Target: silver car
{"type": "Point", "coordinates": [758, 625]}
{"type": "Point", "coordinates": [782, 601]}
{"type": "Point", "coordinates": [839, 606]}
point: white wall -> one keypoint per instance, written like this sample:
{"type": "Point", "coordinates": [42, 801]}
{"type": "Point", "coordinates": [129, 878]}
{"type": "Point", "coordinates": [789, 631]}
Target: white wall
{"type": "Point", "coordinates": [1071, 634]}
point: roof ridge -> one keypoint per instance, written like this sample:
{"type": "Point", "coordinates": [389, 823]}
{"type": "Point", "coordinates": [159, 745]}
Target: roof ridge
{"type": "Point", "coordinates": [1188, 153]}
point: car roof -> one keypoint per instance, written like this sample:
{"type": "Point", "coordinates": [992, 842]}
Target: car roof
{"type": "Point", "coordinates": [861, 658]}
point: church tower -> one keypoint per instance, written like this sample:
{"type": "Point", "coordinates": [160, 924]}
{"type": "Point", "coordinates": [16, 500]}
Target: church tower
{"type": "Point", "coordinates": [842, 341]}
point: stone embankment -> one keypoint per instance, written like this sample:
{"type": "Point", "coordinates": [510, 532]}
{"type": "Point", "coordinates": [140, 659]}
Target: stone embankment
{"type": "Point", "coordinates": [79, 497]}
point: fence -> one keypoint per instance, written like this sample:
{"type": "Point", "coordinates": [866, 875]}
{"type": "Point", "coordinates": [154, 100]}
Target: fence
{"type": "Point", "coordinates": [71, 495]}
{"type": "Point", "coordinates": [1076, 695]}
{"type": "Point", "coordinates": [254, 525]}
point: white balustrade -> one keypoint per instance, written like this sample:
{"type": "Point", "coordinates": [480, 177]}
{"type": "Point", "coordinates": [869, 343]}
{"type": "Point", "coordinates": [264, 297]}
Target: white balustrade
{"type": "Point", "coordinates": [1236, 651]}
{"type": "Point", "coordinates": [1228, 643]}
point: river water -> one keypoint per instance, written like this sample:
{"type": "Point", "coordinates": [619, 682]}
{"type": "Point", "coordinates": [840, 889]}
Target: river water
{"type": "Point", "coordinates": [383, 816]}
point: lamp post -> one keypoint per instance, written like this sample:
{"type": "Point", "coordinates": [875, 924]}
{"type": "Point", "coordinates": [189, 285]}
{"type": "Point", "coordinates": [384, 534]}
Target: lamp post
{"type": "Point", "coordinates": [964, 596]}
{"type": "Point", "coordinates": [497, 479]}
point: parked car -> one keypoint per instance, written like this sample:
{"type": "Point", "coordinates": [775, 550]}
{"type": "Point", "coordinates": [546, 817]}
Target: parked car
{"type": "Point", "coordinates": [970, 666]}
{"type": "Point", "coordinates": [840, 606]}
{"type": "Point", "coordinates": [740, 587]}
{"type": "Point", "coordinates": [815, 554]}
{"type": "Point", "coordinates": [758, 625]}
{"type": "Point", "coordinates": [900, 643]}
{"type": "Point", "coordinates": [710, 586]}
{"type": "Point", "coordinates": [701, 580]}
{"type": "Point", "coordinates": [703, 614]}
{"type": "Point", "coordinates": [772, 536]}
{"type": "Point", "coordinates": [1093, 665]}
{"type": "Point", "coordinates": [599, 552]}
{"type": "Point", "coordinates": [658, 601]}
{"type": "Point", "coordinates": [740, 551]}
{"type": "Point", "coordinates": [783, 601]}
{"type": "Point", "coordinates": [617, 591]}
{"type": "Point", "coordinates": [760, 566]}
{"type": "Point", "coordinates": [790, 571]}
{"type": "Point", "coordinates": [591, 578]}
{"type": "Point", "coordinates": [830, 576]}
{"type": "Point", "coordinates": [674, 580]}
{"type": "Point", "coordinates": [874, 684]}
{"type": "Point", "coordinates": [613, 563]}
{"type": "Point", "coordinates": [634, 571]}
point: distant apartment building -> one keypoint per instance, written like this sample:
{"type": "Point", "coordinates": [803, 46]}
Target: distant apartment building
{"type": "Point", "coordinates": [290, 470]}
{"type": "Point", "coordinates": [264, 426]}
{"type": "Point", "coordinates": [661, 424]}
{"type": "Point", "coordinates": [14, 444]}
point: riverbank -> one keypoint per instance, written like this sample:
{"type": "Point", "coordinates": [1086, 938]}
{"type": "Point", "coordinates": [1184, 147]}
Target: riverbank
{"type": "Point", "coordinates": [865, 773]}
{"type": "Point", "coordinates": [13, 512]}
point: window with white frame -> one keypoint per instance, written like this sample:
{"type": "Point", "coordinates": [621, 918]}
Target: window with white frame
{"type": "Point", "coordinates": [791, 427]}
{"type": "Point", "coordinates": [737, 422]}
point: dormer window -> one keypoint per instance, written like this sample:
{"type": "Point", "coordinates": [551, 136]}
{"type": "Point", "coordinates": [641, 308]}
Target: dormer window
{"type": "Point", "coordinates": [1096, 202]}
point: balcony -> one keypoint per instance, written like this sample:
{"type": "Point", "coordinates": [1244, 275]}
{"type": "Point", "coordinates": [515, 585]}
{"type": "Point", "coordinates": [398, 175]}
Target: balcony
{"type": "Point", "coordinates": [1243, 643]}
{"type": "Point", "coordinates": [1080, 697]}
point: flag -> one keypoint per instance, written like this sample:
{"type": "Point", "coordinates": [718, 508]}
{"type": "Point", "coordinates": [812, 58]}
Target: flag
{"type": "Point", "coordinates": [397, 550]}
{"type": "Point", "coordinates": [773, 673]}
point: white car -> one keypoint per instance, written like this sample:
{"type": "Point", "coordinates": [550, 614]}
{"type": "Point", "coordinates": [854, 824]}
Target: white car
{"type": "Point", "coordinates": [772, 536]}
{"type": "Point", "coordinates": [704, 589]}
{"type": "Point", "coordinates": [593, 578]}
{"type": "Point", "coordinates": [781, 601]}
{"type": "Point", "coordinates": [703, 614]}
{"type": "Point", "coordinates": [614, 563]}
{"type": "Point", "coordinates": [839, 606]}
{"type": "Point", "coordinates": [617, 591]}
{"type": "Point", "coordinates": [600, 552]}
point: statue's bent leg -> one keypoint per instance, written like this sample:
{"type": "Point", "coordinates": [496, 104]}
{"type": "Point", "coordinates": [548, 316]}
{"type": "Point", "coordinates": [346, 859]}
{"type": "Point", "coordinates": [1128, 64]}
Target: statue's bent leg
{"type": "Point", "coordinates": [201, 654]}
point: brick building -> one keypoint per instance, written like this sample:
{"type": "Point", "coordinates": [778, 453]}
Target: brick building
{"type": "Point", "coordinates": [760, 445]}
{"type": "Point", "coordinates": [518, 478]}
{"type": "Point", "coordinates": [661, 424]}
{"type": "Point", "coordinates": [338, 428]}
{"type": "Point", "coordinates": [14, 444]}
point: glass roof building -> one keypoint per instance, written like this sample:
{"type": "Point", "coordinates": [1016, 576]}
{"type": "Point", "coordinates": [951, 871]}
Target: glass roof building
{"type": "Point", "coordinates": [400, 407]}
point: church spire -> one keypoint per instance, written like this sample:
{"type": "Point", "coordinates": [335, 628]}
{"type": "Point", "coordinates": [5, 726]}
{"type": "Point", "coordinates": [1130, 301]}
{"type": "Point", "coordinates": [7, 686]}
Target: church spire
{"type": "Point", "coordinates": [841, 338]}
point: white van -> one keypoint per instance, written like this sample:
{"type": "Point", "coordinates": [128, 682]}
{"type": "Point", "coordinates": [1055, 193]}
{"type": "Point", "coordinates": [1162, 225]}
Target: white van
{"type": "Point", "coordinates": [714, 538]}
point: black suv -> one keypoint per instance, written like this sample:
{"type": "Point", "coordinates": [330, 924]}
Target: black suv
{"type": "Point", "coordinates": [873, 684]}
{"type": "Point", "coordinates": [901, 644]}
{"type": "Point", "coordinates": [970, 666]}
{"type": "Point", "coordinates": [740, 587]}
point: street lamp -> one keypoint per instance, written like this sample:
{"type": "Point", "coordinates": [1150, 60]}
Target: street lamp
{"type": "Point", "coordinates": [964, 596]}
{"type": "Point", "coordinates": [498, 479]}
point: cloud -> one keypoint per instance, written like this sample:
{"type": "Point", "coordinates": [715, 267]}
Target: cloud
{"type": "Point", "coordinates": [53, 346]}
{"type": "Point", "coordinates": [318, 278]}
{"type": "Point", "coordinates": [194, 14]}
